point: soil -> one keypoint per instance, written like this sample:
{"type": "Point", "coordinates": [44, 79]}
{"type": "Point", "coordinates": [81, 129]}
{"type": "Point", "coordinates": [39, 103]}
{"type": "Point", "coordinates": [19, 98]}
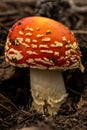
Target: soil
{"type": "Point", "coordinates": [15, 97]}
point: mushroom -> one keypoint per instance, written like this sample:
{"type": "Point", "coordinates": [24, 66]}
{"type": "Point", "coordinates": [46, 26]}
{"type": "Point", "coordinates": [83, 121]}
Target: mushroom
{"type": "Point", "coordinates": [47, 47]}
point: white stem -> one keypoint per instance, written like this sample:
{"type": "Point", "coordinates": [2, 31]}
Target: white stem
{"type": "Point", "coordinates": [47, 85]}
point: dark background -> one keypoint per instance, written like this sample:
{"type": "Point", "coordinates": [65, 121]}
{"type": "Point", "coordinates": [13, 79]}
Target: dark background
{"type": "Point", "coordinates": [15, 96]}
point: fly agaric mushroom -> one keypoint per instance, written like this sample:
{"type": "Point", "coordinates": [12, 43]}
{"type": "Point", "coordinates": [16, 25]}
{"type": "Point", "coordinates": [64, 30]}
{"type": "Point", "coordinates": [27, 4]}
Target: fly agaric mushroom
{"type": "Point", "coordinates": [47, 47]}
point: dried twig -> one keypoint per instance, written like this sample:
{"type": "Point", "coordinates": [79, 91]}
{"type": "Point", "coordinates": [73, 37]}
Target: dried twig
{"type": "Point", "coordinates": [76, 8]}
{"type": "Point", "coordinates": [12, 12]}
{"type": "Point", "coordinates": [79, 31]}
{"type": "Point", "coordinates": [20, 1]}
{"type": "Point", "coordinates": [8, 100]}
{"type": "Point", "coordinates": [6, 108]}
{"type": "Point", "coordinates": [80, 2]}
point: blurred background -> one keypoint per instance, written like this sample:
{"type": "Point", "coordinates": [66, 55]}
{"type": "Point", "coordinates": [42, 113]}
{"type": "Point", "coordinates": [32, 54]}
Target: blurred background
{"type": "Point", "coordinates": [15, 96]}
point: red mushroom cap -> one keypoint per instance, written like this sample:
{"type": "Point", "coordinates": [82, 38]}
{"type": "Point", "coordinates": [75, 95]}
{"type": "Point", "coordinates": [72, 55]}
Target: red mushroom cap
{"type": "Point", "coordinates": [39, 42]}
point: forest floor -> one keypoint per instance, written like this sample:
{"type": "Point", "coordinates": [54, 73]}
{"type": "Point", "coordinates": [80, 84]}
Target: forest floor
{"type": "Point", "coordinates": [15, 97]}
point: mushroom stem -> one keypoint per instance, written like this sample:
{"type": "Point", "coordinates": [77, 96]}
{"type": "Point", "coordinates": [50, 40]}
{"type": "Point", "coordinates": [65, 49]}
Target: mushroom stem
{"type": "Point", "coordinates": [47, 88]}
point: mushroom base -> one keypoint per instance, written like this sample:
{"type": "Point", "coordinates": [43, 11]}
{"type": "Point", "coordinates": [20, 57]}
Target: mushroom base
{"type": "Point", "coordinates": [47, 89]}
